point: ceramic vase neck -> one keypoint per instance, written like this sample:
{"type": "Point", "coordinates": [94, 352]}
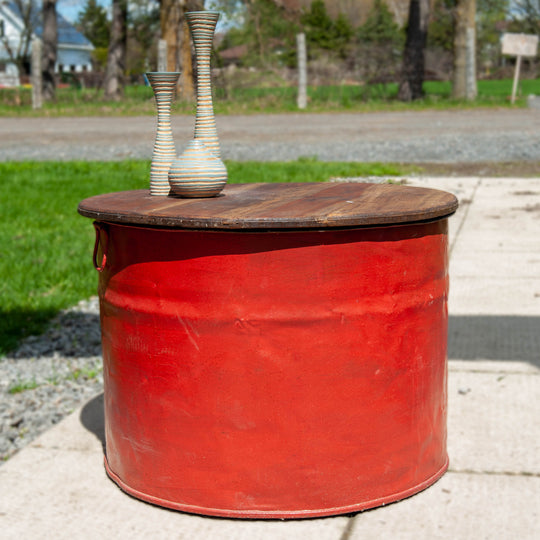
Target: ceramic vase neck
{"type": "Point", "coordinates": [202, 25]}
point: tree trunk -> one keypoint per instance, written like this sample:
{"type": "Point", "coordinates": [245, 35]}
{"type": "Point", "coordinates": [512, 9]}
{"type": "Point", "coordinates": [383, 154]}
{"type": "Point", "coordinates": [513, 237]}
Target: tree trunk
{"type": "Point", "coordinates": [175, 31]}
{"type": "Point", "coordinates": [170, 18]}
{"type": "Point", "coordinates": [187, 79]}
{"type": "Point", "coordinates": [50, 41]}
{"type": "Point", "coordinates": [464, 82]}
{"type": "Point", "coordinates": [412, 76]}
{"type": "Point", "coordinates": [254, 13]}
{"type": "Point", "coordinates": [116, 58]}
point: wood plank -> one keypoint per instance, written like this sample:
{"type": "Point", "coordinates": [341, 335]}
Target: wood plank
{"type": "Point", "coordinates": [277, 206]}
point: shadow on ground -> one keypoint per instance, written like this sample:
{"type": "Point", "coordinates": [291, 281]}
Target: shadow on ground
{"type": "Point", "coordinates": [498, 337]}
{"type": "Point", "coordinates": [71, 334]}
{"type": "Point", "coordinates": [93, 419]}
{"type": "Point", "coordinates": [17, 323]}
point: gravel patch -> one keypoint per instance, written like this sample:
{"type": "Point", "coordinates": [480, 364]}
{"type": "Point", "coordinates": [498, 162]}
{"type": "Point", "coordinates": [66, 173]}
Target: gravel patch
{"type": "Point", "coordinates": [441, 149]}
{"type": "Point", "coordinates": [467, 136]}
{"type": "Point", "coordinates": [49, 376]}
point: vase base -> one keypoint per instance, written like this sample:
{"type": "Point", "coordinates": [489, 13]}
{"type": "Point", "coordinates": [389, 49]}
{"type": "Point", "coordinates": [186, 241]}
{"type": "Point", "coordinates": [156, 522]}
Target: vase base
{"type": "Point", "coordinates": [195, 192]}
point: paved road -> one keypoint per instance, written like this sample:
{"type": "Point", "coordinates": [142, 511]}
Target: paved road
{"type": "Point", "coordinates": [426, 136]}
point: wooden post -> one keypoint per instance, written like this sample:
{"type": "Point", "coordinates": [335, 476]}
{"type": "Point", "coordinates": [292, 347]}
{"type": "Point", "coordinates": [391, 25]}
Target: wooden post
{"type": "Point", "coordinates": [471, 89]}
{"type": "Point", "coordinates": [516, 78]}
{"type": "Point", "coordinates": [162, 56]}
{"type": "Point", "coordinates": [37, 95]}
{"type": "Point", "coordinates": [302, 70]}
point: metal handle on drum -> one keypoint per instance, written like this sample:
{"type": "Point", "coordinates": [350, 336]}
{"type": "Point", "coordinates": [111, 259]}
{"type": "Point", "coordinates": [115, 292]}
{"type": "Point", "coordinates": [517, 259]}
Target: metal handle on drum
{"type": "Point", "coordinates": [100, 228]}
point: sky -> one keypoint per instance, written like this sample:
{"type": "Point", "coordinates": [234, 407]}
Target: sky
{"type": "Point", "coordinates": [70, 8]}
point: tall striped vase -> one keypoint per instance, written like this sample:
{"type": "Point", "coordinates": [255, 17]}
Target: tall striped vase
{"type": "Point", "coordinates": [163, 84]}
{"type": "Point", "coordinates": [199, 171]}
{"type": "Point", "coordinates": [202, 25]}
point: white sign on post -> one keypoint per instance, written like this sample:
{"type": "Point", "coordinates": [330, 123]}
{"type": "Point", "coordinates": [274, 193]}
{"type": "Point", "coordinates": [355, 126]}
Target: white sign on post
{"type": "Point", "coordinates": [519, 45]}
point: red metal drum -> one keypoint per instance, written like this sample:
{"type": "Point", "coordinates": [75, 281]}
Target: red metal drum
{"type": "Point", "coordinates": [275, 373]}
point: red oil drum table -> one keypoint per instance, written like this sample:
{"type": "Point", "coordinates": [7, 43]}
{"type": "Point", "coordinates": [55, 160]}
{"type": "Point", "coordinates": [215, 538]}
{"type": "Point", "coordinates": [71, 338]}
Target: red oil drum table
{"type": "Point", "coordinates": [277, 351]}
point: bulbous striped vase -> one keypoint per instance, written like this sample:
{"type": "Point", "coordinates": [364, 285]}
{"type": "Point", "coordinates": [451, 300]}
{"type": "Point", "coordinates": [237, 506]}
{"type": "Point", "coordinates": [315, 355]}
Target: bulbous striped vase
{"type": "Point", "coordinates": [197, 172]}
{"type": "Point", "coordinates": [163, 84]}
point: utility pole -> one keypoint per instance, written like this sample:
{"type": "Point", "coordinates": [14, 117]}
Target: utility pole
{"type": "Point", "coordinates": [37, 90]}
{"type": "Point", "coordinates": [302, 70]}
{"type": "Point", "coordinates": [162, 55]}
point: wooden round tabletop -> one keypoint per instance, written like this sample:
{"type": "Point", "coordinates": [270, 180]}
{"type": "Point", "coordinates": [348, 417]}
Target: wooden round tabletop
{"type": "Point", "coordinates": [277, 206]}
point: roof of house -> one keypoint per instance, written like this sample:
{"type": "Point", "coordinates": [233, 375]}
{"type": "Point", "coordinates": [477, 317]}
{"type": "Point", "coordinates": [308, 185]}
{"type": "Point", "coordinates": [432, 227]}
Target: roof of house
{"type": "Point", "coordinates": [67, 33]}
{"type": "Point", "coordinates": [234, 53]}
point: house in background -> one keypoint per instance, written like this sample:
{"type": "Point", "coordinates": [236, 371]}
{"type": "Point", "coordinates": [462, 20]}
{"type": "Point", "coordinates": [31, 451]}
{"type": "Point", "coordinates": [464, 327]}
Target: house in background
{"type": "Point", "coordinates": [74, 52]}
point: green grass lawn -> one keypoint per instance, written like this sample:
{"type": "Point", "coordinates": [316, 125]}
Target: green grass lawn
{"type": "Point", "coordinates": [438, 95]}
{"type": "Point", "coordinates": [46, 247]}
{"type": "Point", "coordinates": [139, 99]}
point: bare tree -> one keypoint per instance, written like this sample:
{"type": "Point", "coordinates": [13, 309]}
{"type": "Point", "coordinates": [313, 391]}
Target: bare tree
{"type": "Point", "coordinates": [50, 43]}
{"type": "Point", "coordinates": [412, 76]}
{"type": "Point", "coordinates": [116, 58]}
{"type": "Point", "coordinates": [526, 15]}
{"type": "Point", "coordinates": [464, 83]}
{"type": "Point", "coordinates": [19, 52]}
{"type": "Point", "coordinates": [257, 23]}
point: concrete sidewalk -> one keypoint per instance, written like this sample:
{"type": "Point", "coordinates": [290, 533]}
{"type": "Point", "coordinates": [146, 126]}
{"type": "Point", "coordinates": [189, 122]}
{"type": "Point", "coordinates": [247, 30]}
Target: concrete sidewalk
{"type": "Point", "coordinates": [57, 488]}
